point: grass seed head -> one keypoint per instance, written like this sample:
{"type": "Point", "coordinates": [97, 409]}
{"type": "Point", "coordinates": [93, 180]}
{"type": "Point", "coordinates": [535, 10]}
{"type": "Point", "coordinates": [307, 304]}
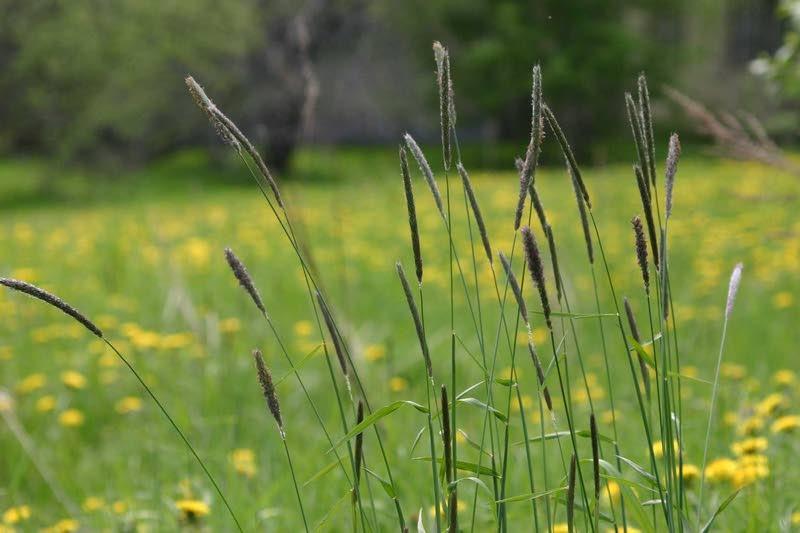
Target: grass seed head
{"type": "Point", "coordinates": [51, 299]}
{"type": "Point", "coordinates": [446, 105]}
{"type": "Point", "coordinates": [536, 270]}
{"type": "Point", "coordinates": [476, 210]}
{"type": "Point", "coordinates": [641, 251]}
{"type": "Point", "coordinates": [333, 332]}
{"type": "Point", "coordinates": [268, 388]}
{"type": "Point", "coordinates": [427, 173]}
{"type": "Point", "coordinates": [515, 288]}
{"type": "Point", "coordinates": [412, 213]}
{"type": "Point", "coordinates": [241, 274]}
{"type": "Point", "coordinates": [418, 326]}
{"type": "Point", "coordinates": [673, 154]}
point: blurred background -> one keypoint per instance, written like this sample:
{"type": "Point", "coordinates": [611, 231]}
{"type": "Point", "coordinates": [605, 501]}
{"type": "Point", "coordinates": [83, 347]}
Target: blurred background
{"type": "Point", "coordinates": [100, 86]}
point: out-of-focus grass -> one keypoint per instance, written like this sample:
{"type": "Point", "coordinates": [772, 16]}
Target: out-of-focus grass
{"type": "Point", "coordinates": [143, 257]}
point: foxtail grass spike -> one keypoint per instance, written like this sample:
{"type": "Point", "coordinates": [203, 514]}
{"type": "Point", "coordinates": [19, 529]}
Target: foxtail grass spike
{"type": "Point", "coordinates": [641, 251]}
{"type": "Point", "coordinates": [733, 288]}
{"type": "Point", "coordinates": [515, 288]}
{"type": "Point", "coordinates": [673, 154]}
{"type": "Point", "coordinates": [442, 58]}
{"type": "Point", "coordinates": [571, 481]}
{"type": "Point", "coordinates": [587, 234]}
{"type": "Point", "coordinates": [567, 151]}
{"type": "Point", "coordinates": [207, 106]}
{"type": "Point", "coordinates": [412, 213]}
{"type": "Point", "coordinates": [540, 374]}
{"type": "Point", "coordinates": [476, 210]}
{"type": "Point", "coordinates": [595, 454]}
{"type": "Point", "coordinates": [536, 270]}
{"type": "Point", "coordinates": [427, 173]}
{"type": "Point", "coordinates": [331, 325]}
{"type": "Point", "coordinates": [638, 138]}
{"type": "Point", "coordinates": [641, 182]}
{"type": "Point", "coordinates": [647, 127]}
{"type": "Point", "coordinates": [268, 388]}
{"type": "Point", "coordinates": [635, 334]}
{"type": "Point", "coordinates": [51, 299]}
{"type": "Point", "coordinates": [538, 206]}
{"type": "Point", "coordinates": [359, 447]}
{"type": "Point", "coordinates": [551, 243]}
{"type": "Point", "coordinates": [237, 134]}
{"type": "Point", "coordinates": [665, 285]}
{"type": "Point", "coordinates": [412, 306]}
{"type": "Point", "coordinates": [240, 271]}
{"type": "Point", "coordinates": [528, 167]}
{"type": "Point", "coordinates": [446, 436]}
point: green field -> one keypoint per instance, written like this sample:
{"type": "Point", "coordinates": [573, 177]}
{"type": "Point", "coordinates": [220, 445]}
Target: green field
{"type": "Point", "coordinates": [142, 257]}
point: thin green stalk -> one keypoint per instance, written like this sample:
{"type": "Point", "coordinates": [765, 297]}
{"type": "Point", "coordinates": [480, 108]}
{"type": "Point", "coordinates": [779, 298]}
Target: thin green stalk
{"type": "Point", "coordinates": [294, 481]}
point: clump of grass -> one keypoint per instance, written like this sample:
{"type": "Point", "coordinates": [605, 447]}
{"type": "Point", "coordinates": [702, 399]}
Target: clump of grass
{"type": "Point", "coordinates": [580, 499]}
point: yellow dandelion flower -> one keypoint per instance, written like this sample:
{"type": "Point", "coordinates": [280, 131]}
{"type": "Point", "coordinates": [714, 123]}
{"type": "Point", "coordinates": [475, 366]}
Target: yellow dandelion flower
{"type": "Point", "coordinates": [93, 503]}
{"type": "Point", "coordinates": [607, 417]}
{"type": "Point", "coordinates": [771, 404]}
{"type": "Point", "coordinates": [230, 325]}
{"type": "Point", "coordinates": [373, 352]}
{"type": "Point", "coordinates": [562, 527]}
{"type": "Point", "coordinates": [611, 493]}
{"type": "Point", "coordinates": [68, 525]}
{"type": "Point", "coordinates": [108, 360]}
{"type": "Point", "coordinates": [303, 328]}
{"type": "Point", "coordinates": [786, 424]}
{"type": "Point", "coordinates": [690, 473]}
{"type": "Point", "coordinates": [782, 300]}
{"type": "Point", "coordinates": [73, 379]}
{"type": "Point", "coordinates": [15, 515]}
{"type": "Point", "coordinates": [398, 384]}
{"type": "Point", "coordinates": [658, 448]}
{"type": "Point", "coordinates": [527, 403]}
{"type": "Point", "coordinates": [749, 471]}
{"type": "Point", "coordinates": [175, 341]}
{"type": "Point", "coordinates": [244, 462]}
{"type": "Point", "coordinates": [720, 469]}
{"type": "Point", "coordinates": [128, 404]}
{"type": "Point", "coordinates": [733, 371]}
{"type": "Point", "coordinates": [119, 506]}
{"type": "Point", "coordinates": [690, 371]}
{"type": "Point", "coordinates": [730, 418]}
{"type": "Point", "coordinates": [796, 518]}
{"type": "Point", "coordinates": [751, 426]}
{"type": "Point", "coordinates": [31, 383]}
{"type": "Point", "coordinates": [71, 418]}
{"type": "Point", "coordinates": [45, 404]}
{"type": "Point", "coordinates": [191, 510]}
{"type": "Point", "coordinates": [749, 446]}
{"type": "Point", "coordinates": [5, 353]}
{"type": "Point", "coordinates": [540, 335]}
{"type": "Point", "coordinates": [784, 377]}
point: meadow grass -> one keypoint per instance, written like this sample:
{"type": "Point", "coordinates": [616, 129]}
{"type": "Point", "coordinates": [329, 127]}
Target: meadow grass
{"type": "Point", "coordinates": [152, 273]}
{"type": "Point", "coordinates": [84, 448]}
